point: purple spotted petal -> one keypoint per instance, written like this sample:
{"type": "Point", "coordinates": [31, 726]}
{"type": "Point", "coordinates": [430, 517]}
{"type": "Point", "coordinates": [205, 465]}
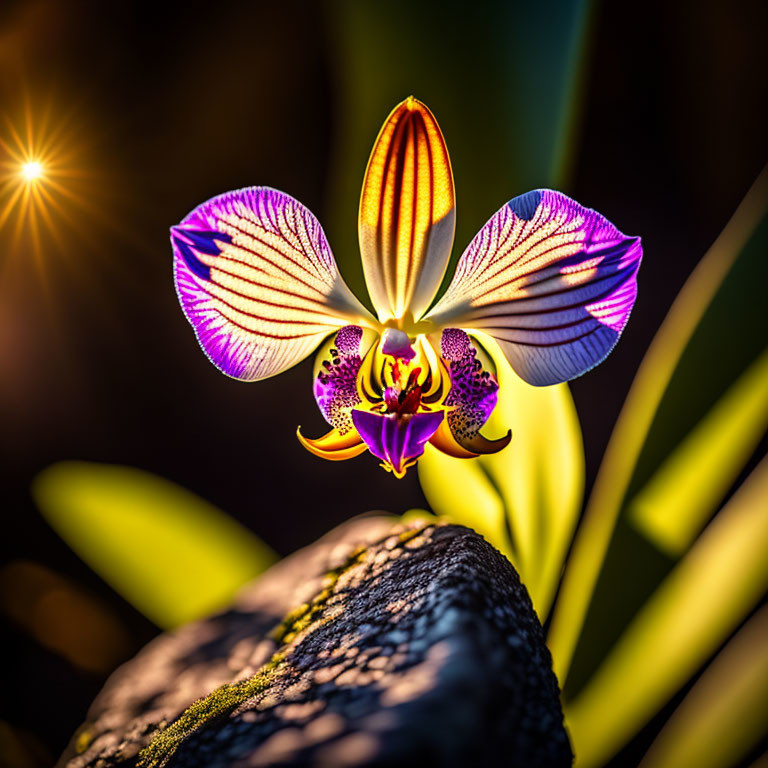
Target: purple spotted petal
{"type": "Point", "coordinates": [473, 392]}
{"type": "Point", "coordinates": [397, 439]}
{"type": "Point", "coordinates": [553, 282]}
{"type": "Point", "coordinates": [335, 385]}
{"type": "Point", "coordinates": [257, 281]}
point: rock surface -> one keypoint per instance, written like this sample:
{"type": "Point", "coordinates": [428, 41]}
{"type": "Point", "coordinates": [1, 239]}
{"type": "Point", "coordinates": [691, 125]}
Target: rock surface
{"type": "Point", "coordinates": [379, 645]}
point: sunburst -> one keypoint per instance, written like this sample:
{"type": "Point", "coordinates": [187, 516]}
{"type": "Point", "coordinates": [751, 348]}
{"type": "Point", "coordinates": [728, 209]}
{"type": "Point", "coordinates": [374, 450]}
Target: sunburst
{"type": "Point", "coordinates": [46, 183]}
{"type": "Point", "coordinates": [32, 171]}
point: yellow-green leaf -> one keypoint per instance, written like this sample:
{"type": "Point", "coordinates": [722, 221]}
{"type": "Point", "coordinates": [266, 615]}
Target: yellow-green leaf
{"type": "Point", "coordinates": [460, 491]}
{"type": "Point", "coordinates": [540, 474]}
{"type": "Point", "coordinates": [532, 488]}
{"type": "Point", "coordinates": [723, 716]}
{"type": "Point", "coordinates": [707, 594]}
{"type": "Point", "coordinates": [634, 422]}
{"type": "Point", "coordinates": [676, 503]}
{"type": "Point", "coordinates": [171, 554]}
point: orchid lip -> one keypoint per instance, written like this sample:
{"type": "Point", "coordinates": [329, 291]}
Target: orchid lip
{"type": "Point", "coordinates": [397, 439]}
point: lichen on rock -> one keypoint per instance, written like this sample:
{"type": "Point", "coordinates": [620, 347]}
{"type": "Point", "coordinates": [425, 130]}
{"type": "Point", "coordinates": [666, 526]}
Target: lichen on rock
{"type": "Point", "coordinates": [411, 645]}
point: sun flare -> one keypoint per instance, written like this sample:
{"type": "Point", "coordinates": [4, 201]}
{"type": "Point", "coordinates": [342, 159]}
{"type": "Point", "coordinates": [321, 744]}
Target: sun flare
{"type": "Point", "coordinates": [32, 170]}
{"type": "Point", "coordinates": [48, 189]}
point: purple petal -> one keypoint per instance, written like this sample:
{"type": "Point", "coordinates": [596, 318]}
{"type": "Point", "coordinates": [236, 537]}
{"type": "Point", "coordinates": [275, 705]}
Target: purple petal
{"type": "Point", "coordinates": [335, 384]}
{"type": "Point", "coordinates": [257, 281]}
{"type": "Point", "coordinates": [473, 392]}
{"type": "Point", "coordinates": [553, 282]}
{"type": "Point", "coordinates": [397, 439]}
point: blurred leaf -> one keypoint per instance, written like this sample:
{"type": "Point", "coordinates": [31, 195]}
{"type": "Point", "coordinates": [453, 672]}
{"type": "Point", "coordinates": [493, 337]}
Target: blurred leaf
{"type": "Point", "coordinates": [507, 107]}
{"type": "Point", "coordinates": [677, 501]}
{"type": "Point", "coordinates": [707, 594]}
{"type": "Point", "coordinates": [62, 617]}
{"type": "Point", "coordinates": [629, 438]}
{"type": "Point", "coordinates": [723, 716]}
{"type": "Point", "coordinates": [174, 556]}
{"type": "Point", "coordinates": [533, 488]}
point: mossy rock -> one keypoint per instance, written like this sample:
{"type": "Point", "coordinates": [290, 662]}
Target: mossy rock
{"type": "Point", "coordinates": [380, 645]}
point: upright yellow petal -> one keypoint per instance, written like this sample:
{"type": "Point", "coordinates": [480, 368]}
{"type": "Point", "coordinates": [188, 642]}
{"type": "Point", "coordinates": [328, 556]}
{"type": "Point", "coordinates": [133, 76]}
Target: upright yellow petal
{"type": "Point", "coordinates": [407, 213]}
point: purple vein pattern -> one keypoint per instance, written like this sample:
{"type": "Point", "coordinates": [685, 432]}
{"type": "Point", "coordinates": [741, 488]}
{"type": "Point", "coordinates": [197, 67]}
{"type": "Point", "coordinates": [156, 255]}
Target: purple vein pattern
{"type": "Point", "coordinates": [553, 282]}
{"type": "Point", "coordinates": [258, 282]}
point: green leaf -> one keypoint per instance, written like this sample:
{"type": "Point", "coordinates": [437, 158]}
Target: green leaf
{"type": "Point", "coordinates": [723, 716]}
{"type": "Point", "coordinates": [705, 597]}
{"type": "Point", "coordinates": [675, 504]}
{"type": "Point", "coordinates": [477, 505]}
{"type": "Point", "coordinates": [721, 303]}
{"type": "Point", "coordinates": [171, 554]}
{"type": "Point", "coordinates": [540, 474]}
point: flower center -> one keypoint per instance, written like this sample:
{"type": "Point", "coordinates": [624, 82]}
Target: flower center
{"type": "Point", "coordinates": [403, 398]}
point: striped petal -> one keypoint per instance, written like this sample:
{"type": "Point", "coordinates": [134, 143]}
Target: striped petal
{"type": "Point", "coordinates": [407, 217]}
{"type": "Point", "coordinates": [258, 282]}
{"type": "Point", "coordinates": [553, 282]}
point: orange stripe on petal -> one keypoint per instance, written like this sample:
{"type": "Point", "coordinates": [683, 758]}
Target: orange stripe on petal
{"type": "Point", "coordinates": [407, 213]}
{"type": "Point", "coordinates": [334, 446]}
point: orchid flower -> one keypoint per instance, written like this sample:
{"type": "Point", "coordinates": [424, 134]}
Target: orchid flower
{"type": "Point", "coordinates": [551, 282]}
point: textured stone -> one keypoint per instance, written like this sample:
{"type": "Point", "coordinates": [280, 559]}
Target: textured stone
{"type": "Point", "coordinates": [400, 645]}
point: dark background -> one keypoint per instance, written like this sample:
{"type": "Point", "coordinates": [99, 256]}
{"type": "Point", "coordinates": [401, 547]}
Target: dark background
{"type": "Point", "coordinates": [168, 105]}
